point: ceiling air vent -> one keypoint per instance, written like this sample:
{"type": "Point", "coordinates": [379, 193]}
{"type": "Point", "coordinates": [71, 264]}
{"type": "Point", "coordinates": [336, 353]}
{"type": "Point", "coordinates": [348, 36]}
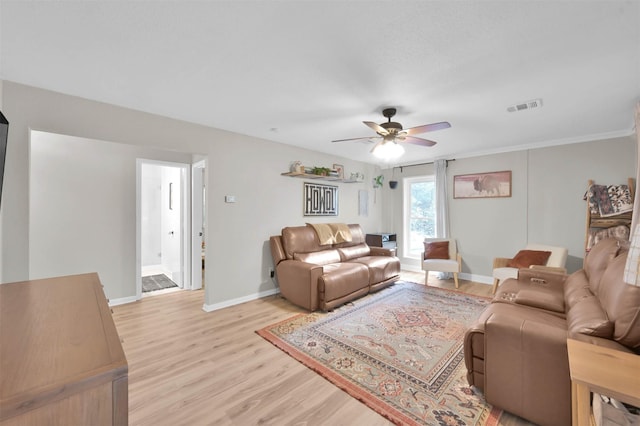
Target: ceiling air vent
{"type": "Point", "coordinates": [536, 103]}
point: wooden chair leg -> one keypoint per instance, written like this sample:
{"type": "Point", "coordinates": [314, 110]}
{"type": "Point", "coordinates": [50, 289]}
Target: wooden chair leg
{"type": "Point", "coordinates": [426, 277]}
{"type": "Point", "coordinates": [495, 285]}
{"type": "Point", "coordinates": [455, 278]}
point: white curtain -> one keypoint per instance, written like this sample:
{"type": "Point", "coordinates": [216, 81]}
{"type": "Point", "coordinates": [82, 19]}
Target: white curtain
{"type": "Point", "coordinates": [442, 207]}
{"type": "Point", "coordinates": [442, 200]}
{"type": "Point", "coordinates": [636, 204]}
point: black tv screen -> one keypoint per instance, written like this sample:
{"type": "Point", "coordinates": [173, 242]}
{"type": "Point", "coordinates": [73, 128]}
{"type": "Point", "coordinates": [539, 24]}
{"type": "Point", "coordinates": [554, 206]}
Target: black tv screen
{"type": "Point", "coordinates": [4, 134]}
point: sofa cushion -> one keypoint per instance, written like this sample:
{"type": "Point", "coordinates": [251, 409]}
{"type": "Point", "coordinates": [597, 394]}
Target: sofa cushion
{"type": "Point", "coordinates": [588, 317]}
{"type": "Point", "coordinates": [576, 288]}
{"type": "Point", "coordinates": [526, 258]}
{"type": "Point", "coordinates": [597, 260]}
{"type": "Point", "coordinates": [381, 268]}
{"type": "Point", "coordinates": [541, 298]}
{"type": "Point", "coordinates": [300, 239]}
{"type": "Point", "coordinates": [341, 279]}
{"type": "Point", "coordinates": [436, 250]}
{"type": "Point", "coordinates": [322, 257]}
{"type": "Point", "coordinates": [621, 302]}
{"type": "Point", "coordinates": [353, 252]}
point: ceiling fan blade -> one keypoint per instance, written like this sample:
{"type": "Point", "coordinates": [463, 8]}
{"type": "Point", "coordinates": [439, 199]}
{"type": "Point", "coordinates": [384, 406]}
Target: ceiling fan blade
{"type": "Point", "coordinates": [419, 141]}
{"type": "Point", "coordinates": [427, 128]}
{"type": "Point", "coordinates": [377, 128]}
{"type": "Point", "coordinates": [352, 139]}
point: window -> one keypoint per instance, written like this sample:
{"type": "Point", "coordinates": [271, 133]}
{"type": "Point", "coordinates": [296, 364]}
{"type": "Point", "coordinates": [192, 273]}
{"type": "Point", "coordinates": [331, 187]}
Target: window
{"type": "Point", "coordinates": [420, 213]}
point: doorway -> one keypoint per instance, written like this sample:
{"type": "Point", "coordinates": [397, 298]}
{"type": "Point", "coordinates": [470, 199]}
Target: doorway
{"type": "Point", "coordinates": [164, 214]}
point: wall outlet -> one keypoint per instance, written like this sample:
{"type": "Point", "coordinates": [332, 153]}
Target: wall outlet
{"type": "Point", "coordinates": [272, 273]}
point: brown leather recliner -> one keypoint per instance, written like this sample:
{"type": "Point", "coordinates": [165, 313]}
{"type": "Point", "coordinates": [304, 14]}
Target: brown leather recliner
{"type": "Point", "coordinates": [323, 277]}
{"type": "Point", "coordinates": [517, 350]}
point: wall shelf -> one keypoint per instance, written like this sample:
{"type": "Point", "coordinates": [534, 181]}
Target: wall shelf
{"type": "Point", "coordinates": [319, 177]}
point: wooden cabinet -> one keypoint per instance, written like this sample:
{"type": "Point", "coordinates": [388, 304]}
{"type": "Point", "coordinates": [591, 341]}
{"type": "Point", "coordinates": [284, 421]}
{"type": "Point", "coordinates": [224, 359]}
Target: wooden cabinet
{"type": "Point", "coordinates": [385, 240]}
{"type": "Point", "coordinates": [61, 360]}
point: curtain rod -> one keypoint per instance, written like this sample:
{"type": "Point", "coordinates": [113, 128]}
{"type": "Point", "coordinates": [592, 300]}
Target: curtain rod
{"type": "Point", "coordinates": [419, 164]}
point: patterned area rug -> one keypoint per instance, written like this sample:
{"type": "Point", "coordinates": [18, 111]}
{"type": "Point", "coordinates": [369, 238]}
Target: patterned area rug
{"type": "Point", "coordinates": [399, 351]}
{"type": "Point", "coordinates": [156, 282]}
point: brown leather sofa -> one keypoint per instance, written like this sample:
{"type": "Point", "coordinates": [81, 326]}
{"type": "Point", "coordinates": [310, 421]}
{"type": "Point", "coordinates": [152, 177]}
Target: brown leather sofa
{"type": "Point", "coordinates": [323, 277]}
{"type": "Point", "coordinates": [517, 350]}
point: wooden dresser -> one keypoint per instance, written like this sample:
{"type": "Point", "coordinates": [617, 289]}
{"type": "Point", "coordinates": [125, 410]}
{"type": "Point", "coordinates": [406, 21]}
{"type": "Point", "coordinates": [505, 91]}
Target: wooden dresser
{"type": "Point", "coordinates": [61, 361]}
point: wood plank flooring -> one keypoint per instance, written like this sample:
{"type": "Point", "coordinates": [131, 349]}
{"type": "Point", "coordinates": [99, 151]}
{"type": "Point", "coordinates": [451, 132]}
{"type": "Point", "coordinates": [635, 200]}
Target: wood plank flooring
{"type": "Point", "coordinates": [189, 367]}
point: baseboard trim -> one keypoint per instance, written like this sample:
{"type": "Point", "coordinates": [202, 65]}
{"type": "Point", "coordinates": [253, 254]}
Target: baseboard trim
{"type": "Point", "coordinates": [239, 300]}
{"type": "Point", "coordinates": [482, 279]}
{"type": "Point", "coordinates": [122, 300]}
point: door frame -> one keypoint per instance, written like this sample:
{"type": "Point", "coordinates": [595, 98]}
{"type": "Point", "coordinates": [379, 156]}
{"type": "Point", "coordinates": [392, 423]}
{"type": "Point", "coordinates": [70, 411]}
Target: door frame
{"type": "Point", "coordinates": [185, 221]}
{"type": "Point", "coordinates": [198, 221]}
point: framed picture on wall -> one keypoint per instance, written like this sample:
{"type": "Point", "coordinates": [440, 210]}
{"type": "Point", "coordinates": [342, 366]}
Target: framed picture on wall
{"type": "Point", "coordinates": [320, 200]}
{"type": "Point", "coordinates": [482, 185]}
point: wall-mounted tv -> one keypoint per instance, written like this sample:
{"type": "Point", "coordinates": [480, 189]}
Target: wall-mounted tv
{"type": "Point", "coordinates": [4, 134]}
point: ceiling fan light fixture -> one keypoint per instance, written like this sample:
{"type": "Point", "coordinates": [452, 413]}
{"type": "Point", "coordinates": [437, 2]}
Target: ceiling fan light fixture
{"type": "Point", "coordinates": [388, 151]}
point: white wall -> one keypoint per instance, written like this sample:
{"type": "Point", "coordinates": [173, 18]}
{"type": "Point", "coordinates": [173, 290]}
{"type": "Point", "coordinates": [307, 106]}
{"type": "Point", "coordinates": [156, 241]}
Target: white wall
{"type": "Point", "coordinates": [82, 208]}
{"type": "Point", "coordinates": [546, 205]}
{"type": "Point", "coordinates": [237, 249]}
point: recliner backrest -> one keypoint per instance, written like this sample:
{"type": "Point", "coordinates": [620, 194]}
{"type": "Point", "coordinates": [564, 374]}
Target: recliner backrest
{"type": "Point", "coordinates": [621, 302]}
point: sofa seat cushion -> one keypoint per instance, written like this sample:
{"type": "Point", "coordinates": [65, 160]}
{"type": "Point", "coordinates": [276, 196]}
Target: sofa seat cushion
{"type": "Point", "coordinates": [576, 288]}
{"type": "Point", "coordinates": [442, 265]}
{"type": "Point", "coordinates": [322, 257]}
{"type": "Point", "coordinates": [353, 252]}
{"type": "Point", "coordinates": [341, 279]}
{"type": "Point", "coordinates": [381, 268]}
{"type": "Point", "coordinates": [588, 317]}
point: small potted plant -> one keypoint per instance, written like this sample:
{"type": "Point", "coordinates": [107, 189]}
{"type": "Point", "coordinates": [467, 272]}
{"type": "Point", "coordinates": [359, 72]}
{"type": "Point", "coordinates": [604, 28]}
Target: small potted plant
{"type": "Point", "coordinates": [321, 171]}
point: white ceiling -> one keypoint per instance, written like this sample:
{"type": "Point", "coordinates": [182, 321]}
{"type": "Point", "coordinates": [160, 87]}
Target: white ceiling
{"type": "Point", "coordinates": [307, 72]}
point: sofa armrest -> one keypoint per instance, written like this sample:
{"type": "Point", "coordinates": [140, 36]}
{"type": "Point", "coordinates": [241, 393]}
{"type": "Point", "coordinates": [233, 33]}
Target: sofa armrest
{"type": "Point", "coordinates": [500, 262]}
{"type": "Point", "coordinates": [298, 282]}
{"type": "Point", "coordinates": [555, 269]}
{"type": "Point", "coordinates": [381, 251]}
{"type": "Point", "coordinates": [527, 368]}
{"type": "Point", "coordinates": [542, 277]}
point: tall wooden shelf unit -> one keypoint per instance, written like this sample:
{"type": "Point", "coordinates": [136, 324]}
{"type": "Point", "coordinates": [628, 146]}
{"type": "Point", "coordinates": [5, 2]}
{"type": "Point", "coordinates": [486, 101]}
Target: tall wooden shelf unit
{"type": "Point", "coordinates": [594, 221]}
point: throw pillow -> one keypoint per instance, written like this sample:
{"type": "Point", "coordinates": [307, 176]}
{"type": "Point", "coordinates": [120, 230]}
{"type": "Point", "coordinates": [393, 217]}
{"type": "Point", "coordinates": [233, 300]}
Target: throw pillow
{"type": "Point", "coordinates": [526, 258]}
{"type": "Point", "coordinates": [436, 250]}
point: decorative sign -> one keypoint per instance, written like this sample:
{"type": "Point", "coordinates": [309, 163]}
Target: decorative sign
{"type": "Point", "coordinates": [320, 200]}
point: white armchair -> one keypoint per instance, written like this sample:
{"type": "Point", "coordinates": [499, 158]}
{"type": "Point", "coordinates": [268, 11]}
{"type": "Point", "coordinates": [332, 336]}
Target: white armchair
{"type": "Point", "coordinates": [452, 263]}
{"type": "Point", "coordinates": [555, 262]}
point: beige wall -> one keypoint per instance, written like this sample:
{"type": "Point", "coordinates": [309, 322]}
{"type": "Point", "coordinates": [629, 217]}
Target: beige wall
{"type": "Point", "coordinates": [546, 205]}
{"type": "Point", "coordinates": [249, 168]}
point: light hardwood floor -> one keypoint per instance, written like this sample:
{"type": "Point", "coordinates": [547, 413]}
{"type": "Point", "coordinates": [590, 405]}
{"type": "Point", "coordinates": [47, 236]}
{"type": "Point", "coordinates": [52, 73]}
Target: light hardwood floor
{"type": "Point", "coordinates": [189, 367]}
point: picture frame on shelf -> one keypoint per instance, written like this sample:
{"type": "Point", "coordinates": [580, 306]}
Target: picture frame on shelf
{"type": "Point", "coordinates": [340, 169]}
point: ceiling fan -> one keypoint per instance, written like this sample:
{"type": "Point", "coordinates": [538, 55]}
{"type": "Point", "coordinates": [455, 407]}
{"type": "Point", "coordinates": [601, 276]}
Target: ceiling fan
{"type": "Point", "coordinates": [391, 133]}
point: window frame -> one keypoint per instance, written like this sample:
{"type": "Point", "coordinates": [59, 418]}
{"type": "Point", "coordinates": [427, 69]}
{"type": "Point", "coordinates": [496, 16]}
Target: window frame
{"type": "Point", "coordinates": [406, 217]}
